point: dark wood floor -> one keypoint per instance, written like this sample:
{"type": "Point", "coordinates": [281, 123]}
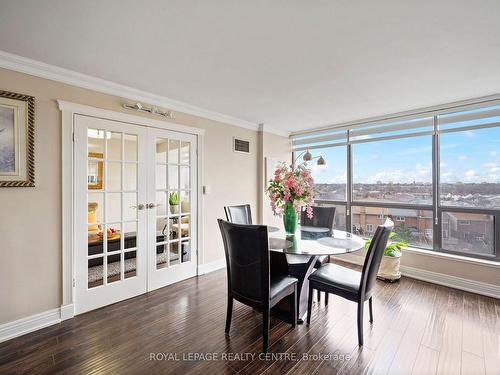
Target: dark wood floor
{"type": "Point", "coordinates": [419, 328]}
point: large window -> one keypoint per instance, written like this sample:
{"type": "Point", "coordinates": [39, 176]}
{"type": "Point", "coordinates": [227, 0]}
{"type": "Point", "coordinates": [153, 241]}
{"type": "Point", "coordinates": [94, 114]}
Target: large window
{"type": "Point", "coordinates": [331, 181]}
{"type": "Point", "coordinates": [436, 174]}
{"type": "Point", "coordinates": [398, 170]}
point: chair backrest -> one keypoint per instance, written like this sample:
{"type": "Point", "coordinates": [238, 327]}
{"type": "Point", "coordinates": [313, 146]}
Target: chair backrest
{"type": "Point", "coordinates": [247, 260]}
{"type": "Point", "coordinates": [374, 256]}
{"type": "Point", "coordinates": [323, 217]}
{"type": "Point", "coordinates": [238, 214]}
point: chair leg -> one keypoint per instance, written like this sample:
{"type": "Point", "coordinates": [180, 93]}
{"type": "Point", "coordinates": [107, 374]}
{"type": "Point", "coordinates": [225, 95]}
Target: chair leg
{"type": "Point", "coordinates": [318, 294]}
{"type": "Point", "coordinates": [229, 313]}
{"type": "Point", "coordinates": [360, 323]}
{"type": "Point", "coordinates": [326, 298]}
{"type": "Point", "coordinates": [309, 304]}
{"type": "Point", "coordinates": [265, 330]}
{"type": "Point", "coordinates": [371, 309]}
{"type": "Point", "coordinates": [294, 316]}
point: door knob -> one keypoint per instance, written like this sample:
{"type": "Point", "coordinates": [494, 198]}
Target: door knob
{"type": "Point", "coordinates": [151, 205]}
{"type": "Point", "coordinates": [139, 207]}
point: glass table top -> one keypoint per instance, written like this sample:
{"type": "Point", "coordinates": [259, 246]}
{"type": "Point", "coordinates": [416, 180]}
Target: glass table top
{"type": "Point", "coordinates": [339, 242]}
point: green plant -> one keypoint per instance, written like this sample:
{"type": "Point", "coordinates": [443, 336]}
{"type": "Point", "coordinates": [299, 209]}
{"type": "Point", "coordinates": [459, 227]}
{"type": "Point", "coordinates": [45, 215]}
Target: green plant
{"type": "Point", "coordinates": [173, 199]}
{"type": "Point", "coordinates": [393, 249]}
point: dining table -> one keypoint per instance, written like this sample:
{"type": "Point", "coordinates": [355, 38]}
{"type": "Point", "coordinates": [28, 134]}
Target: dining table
{"type": "Point", "coordinates": [296, 255]}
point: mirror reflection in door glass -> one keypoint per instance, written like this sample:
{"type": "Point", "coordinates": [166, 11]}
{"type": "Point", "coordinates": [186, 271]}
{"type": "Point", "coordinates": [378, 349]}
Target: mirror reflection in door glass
{"type": "Point", "coordinates": [185, 153]}
{"type": "Point", "coordinates": [173, 151]}
{"type": "Point", "coordinates": [95, 207]}
{"type": "Point", "coordinates": [130, 234]}
{"type": "Point", "coordinates": [173, 177]}
{"type": "Point", "coordinates": [174, 253]}
{"type": "Point", "coordinates": [130, 264]}
{"type": "Point", "coordinates": [161, 229]}
{"type": "Point", "coordinates": [113, 207]}
{"type": "Point", "coordinates": [161, 150]}
{"type": "Point", "coordinates": [129, 176]}
{"type": "Point", "coordinates": [174, 228]}
{"type": "Point", "coordinates": [185, 226]}
{"type": "Point", "coordinates": [161, 256]}
{"type": "Point", "coordinates": [130, 146]}
{"type": "Point", "coordinates": [184, 172]}
{"type": "Point", "coordinates": [161, 176]}
{"type": "Point", "coordinates": [114, 141]}
{"type": "Point", "coordinates": [113, 236]}
{"type": "Point", "coordinates": [114, 268]}
{"type": "Point", "coordinates": [161, 203]}
{"type": "Point", "coordinates": [114, 176]}
{"type": "Point", "coordinates": [185, 203]}
{"type": "Point", "coordinates": [95, 272]}
{"type": "Point", "coordinates": [95, 141]}
{"type": "Point", "coordinates": [186, 251]}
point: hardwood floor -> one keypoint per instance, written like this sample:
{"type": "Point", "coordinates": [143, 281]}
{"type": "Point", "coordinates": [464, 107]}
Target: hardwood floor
{"type": "Point", "coordinates": [419, 328]}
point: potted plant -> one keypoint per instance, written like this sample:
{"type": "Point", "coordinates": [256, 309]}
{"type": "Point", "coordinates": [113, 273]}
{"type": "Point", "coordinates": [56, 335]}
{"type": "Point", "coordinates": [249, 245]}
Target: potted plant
{"type": "Point", "coordinates": [173, 201]}
{"type": "Point", "coordinates": [290, 189]}
{"type": "Point", "coordinates": [391, 260]}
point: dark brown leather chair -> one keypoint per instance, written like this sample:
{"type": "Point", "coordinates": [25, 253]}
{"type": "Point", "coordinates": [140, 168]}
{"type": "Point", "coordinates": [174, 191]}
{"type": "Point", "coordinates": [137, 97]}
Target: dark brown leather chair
{"type": "Point", "coordinates": [238, 214]}
{"type": "Point", "coordinates": [248, 274]}
{"type": "Point", "coordinates": [320, 225]}
{"type": "Point", "coordinates": [350, 284]}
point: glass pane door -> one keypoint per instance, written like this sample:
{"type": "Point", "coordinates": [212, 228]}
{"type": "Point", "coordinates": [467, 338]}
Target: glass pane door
{"type": "Point", "coordinates": [172, 178]}
{"type": "Point", "coordinates": [110, 195]}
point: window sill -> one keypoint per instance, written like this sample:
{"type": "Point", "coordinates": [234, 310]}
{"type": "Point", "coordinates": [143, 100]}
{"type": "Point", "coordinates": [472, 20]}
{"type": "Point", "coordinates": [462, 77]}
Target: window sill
{"type": "Point", "coordinates": [458, 258]}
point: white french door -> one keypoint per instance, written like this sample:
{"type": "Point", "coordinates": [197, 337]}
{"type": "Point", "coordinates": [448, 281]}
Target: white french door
{"type": "Point", "coordinates": [135, 210]}
{"type": "Point", "coordinates": [172, 216]}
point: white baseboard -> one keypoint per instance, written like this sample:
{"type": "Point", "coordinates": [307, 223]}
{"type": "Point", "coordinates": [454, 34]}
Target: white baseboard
{"type": "Point", "coordinates": [461, 283]}
{"type": "Point", "coordinates": [211, 266]}
{"type": "Point", "coordinates": [67, 312]}
{"type": "Point", "coordinates": [29, 324]}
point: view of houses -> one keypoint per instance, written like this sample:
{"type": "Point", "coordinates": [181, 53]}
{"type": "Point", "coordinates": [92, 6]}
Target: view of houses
{"type": "Point", "coordinates": [462, 231]}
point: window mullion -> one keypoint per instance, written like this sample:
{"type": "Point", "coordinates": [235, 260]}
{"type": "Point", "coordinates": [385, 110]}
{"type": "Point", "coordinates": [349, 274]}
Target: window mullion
{"type": "Point", "coordinates": [437, 232]}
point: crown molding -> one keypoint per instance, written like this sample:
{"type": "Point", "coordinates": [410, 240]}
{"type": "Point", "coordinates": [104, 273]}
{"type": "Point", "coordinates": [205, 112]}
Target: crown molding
{"type": "Point", "coordinates": [70, 77]}
{"type": "Point", "coordinates": [268, 129]}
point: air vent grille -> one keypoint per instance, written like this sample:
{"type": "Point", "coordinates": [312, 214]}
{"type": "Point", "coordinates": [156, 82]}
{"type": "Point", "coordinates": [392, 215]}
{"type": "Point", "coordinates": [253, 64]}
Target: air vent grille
{"type": "Point", "coordinates": [241, 145]}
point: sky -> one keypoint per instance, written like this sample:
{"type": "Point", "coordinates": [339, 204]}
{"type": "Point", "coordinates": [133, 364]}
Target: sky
{"type": "Point", "coordinates": [466, 156]}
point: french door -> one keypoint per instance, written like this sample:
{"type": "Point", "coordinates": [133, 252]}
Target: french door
{"type": "Point", "coordinates": [135, 210]}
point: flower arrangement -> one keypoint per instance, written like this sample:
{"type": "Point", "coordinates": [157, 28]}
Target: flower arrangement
{"type": "Point", "coordinates": [291, 188]}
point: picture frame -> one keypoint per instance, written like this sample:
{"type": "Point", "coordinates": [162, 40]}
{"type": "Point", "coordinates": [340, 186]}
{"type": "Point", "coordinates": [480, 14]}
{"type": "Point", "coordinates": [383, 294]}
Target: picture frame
{"type": "Point", "coordinates": [95, 171]}
{"type": "Point", "coordinates": [17, 140]}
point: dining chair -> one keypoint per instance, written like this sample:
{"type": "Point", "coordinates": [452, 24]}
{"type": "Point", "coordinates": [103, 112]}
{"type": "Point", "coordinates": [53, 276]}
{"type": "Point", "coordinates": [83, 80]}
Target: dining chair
{"type": "Point", "coordinates": [320, 225]}
{"type": "Point", "coordinates": [248, 274]}
{"type": "Point", "coordinates": [240, 214]}
{"type": "Point", "coordinates": [351, 284]}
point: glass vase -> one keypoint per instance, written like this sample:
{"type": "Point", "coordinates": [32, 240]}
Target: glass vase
{"type": "Point", "coordinates": [290, 219]}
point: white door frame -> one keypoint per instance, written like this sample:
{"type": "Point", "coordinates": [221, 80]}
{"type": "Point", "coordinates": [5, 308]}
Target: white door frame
{"type": "Point", "coordinates": [68, 111]}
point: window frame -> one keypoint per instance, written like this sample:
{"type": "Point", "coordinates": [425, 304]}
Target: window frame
{"type": "Point", "coordinates": [436, 207]}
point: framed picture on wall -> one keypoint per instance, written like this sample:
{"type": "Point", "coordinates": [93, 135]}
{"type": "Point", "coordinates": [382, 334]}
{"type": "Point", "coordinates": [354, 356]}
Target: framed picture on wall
{"type": "Point", "coordinates": [17, 140]}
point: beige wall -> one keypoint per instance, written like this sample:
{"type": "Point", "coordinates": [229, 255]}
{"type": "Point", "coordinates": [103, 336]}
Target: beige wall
{"type": "Point", "coordinates": [275, 147]}
{"type": "Point", "coordinates": [30, 219]}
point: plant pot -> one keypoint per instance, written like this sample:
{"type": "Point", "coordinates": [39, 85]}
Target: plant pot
{"type": "Point", "coordinates": [389, 268]}
{"type": "Point", "coordinates": [174, 209]}
{"type": "Point", "coordinates": [290, 219]}
{"type": "Point", "coordinates": [185, 206]}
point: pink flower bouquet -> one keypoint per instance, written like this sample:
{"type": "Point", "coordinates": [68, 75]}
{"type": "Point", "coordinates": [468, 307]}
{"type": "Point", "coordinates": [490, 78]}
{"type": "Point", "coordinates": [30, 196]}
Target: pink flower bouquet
{"type": "Point", "coordinates": [291, 186]}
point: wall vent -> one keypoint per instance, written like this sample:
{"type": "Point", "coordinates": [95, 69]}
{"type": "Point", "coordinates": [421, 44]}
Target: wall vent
{"type": "Point", "coordinates": [241, 145]}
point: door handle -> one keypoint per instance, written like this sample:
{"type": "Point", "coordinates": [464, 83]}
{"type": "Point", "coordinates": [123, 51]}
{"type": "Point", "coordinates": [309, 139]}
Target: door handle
{"type": "Point", "coordinates": [151, 205]}
{"type": "Point", "coordinates": [139, 207]}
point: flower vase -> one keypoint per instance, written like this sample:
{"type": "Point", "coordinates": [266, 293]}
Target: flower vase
{"type": "Point", "coordinates": [290, 219]}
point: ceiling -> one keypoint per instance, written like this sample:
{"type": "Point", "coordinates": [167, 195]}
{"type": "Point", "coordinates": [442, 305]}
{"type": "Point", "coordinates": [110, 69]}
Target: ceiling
{"type": "Point", "coordinates": [291, 65]}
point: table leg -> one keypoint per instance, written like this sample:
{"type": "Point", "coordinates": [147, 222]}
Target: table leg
{"type": "Point", "coordinates": [299, 266]}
